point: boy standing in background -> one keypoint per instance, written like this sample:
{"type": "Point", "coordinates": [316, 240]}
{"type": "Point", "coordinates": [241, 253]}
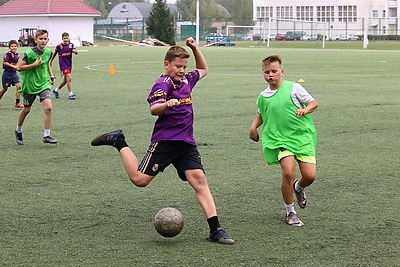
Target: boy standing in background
{"type": "Point", "coordinates": [64, 51]}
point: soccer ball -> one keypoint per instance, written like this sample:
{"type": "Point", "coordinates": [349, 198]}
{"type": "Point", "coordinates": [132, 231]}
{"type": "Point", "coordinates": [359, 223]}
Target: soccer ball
{"type": "Point", "coordinates": [168, 222]}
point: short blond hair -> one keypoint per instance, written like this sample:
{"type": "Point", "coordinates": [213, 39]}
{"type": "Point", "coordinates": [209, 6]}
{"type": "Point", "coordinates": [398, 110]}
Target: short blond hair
{"type": "Point", "coordinates": [272, 58]}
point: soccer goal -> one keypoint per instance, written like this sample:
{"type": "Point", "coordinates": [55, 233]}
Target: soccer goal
{"type": "Point", "coordinates": [273, 29]}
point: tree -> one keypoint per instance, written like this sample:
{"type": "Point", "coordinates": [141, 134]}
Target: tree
{"type": "Point", "coordinates": [161, 23]}
{"type": "Point", "coordinates": [241, 12]}
{"type": "Point", "coordinates": [209, 12]}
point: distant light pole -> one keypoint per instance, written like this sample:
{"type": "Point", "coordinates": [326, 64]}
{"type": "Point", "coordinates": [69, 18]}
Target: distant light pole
{"type": "Point", "coordinates": [198, 22]}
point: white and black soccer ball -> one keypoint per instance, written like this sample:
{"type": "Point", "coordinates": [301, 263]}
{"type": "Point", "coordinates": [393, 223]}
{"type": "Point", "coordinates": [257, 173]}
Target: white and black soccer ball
{"type": "Point", "coordinates": [168, 222]}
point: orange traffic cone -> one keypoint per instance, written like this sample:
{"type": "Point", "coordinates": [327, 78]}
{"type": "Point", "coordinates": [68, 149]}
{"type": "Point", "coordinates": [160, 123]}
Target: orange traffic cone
{"type": "Point", "coordinates": [112, 71]}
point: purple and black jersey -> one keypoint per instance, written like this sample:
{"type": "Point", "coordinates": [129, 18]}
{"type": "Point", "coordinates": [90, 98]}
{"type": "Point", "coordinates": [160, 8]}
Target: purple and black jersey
{"type": "Point", "coordinates": [11, 58]}
{"type": "Point", "coordinates": [176, 124]}
{"type": "Point", "coordinates": [65, 55]}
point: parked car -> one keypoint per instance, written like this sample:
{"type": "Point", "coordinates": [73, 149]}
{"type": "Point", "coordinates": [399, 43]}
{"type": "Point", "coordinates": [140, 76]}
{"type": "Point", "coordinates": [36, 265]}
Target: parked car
{"type": "Point", "coordinates": [335, 37]}
{"type": "Point", "coordinates": [294, 35]}
{"type": "Point", "coordinates": [280, 37]}
{"type": "Point", "coordinates": [352, 37]}
{"type": "Point", "coordinates": [309, 37]}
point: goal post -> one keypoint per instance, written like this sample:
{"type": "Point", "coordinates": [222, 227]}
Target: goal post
{"type": "Point", "coordinates": [269, 29]}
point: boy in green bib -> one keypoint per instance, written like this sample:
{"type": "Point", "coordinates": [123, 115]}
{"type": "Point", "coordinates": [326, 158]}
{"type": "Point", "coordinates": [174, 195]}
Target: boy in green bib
{"type": "Point", "coordinates": [37, 78]}
{"type": "Point", "coordinates": [288, 133]}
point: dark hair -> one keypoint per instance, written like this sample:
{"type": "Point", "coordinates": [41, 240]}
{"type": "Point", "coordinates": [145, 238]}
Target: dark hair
{"type": "Point", "coordinates": [12, 42]}
{"type": "Point", "coordinates": [176, 52]}
{"type": "Point", "coordinates": [41, 32]}
{"type": "Point", "coordinates": [272, 58]}
{"type": "Point", "coordinates": [64, 34]}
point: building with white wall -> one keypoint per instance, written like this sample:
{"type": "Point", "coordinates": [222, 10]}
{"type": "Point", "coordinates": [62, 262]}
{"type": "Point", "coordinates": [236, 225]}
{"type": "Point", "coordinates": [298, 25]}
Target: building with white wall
{"type": "Point", "coordinates": [338, 16]}
{"type": "Point", "coordinates": [56, 16]}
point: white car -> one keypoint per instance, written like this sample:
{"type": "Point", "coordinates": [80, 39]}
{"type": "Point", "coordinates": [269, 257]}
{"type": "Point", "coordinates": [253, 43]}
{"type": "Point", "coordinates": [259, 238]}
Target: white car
{"type": "Point", "coordinates": [309, 37]}
{"type": "Point", "coordinates": [352, 37]}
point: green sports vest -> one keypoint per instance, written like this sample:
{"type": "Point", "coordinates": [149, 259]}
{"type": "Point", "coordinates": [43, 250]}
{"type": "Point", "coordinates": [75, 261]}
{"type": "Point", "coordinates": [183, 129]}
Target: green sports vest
{"type": "Point", "coordinates": [37, 79]}
{"type": "Point", "coordinates": [282, 128]}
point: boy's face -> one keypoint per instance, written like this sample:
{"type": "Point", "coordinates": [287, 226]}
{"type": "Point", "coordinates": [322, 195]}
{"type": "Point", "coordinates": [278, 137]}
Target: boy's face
{"type": "Point", "coordinates": [273, 74]}
{"type": "Point", "coordinates": [13, 48]}
{"type": "Point", "coordinates": [42, 40]}
{"type": "Point", "coordinates": [65, 39]}
{"type": "Point", "coordinates": [176, 69]}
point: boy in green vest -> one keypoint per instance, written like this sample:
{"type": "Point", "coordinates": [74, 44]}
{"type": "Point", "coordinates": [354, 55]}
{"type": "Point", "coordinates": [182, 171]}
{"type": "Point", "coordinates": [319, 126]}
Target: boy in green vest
{"type": "Point", "coordinates": [288, 133]}
{"type": "Point", "coordinates": [37, 78]}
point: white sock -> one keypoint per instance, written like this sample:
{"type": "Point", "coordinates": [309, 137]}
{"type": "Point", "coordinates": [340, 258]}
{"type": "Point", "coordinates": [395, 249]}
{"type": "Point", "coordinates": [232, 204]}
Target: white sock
{"type": "Point", "coordinates": [18, 129]}
{"type": "Point", "coordinates": [70, 93]}
{"type": "Point", "coordinates": [56, 89]}
{"type": "Point", "coordinates": [290, 208]}
{"type": "Point", "coordinates": [297, 187]}
{"type": "Point", "coordinates": [46, 132]}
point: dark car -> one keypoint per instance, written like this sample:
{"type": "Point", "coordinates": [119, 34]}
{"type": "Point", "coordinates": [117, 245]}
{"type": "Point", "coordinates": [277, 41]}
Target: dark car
{"type": "Point", "coordinates": [293, 35]}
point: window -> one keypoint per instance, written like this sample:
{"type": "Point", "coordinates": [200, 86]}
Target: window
{"type": "Point", "coordinates": [347, 13]}
{"type": "Point", "coordinates": [284, 12]}
{"type": "Point", "coordinates": [375, 13]}
{"type": "Point", "coordinates": [304, 13]}
{"type": "Point", "coordinates": [264, 12]}
{"type": "Point", "coordinates": [325, 13]}
{"type": "Point", "coordinates": [384, 13]}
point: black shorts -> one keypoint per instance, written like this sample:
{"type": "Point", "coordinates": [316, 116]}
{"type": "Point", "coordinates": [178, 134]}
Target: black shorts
{"type": "Point", "coordinates": [160, 155]}
{"type": "Point", "coordinates": [9, 78]}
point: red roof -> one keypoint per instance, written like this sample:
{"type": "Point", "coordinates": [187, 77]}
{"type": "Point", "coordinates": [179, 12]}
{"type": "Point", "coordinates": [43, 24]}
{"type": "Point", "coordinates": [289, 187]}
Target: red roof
{"type": "Point", "coordinates": [30, 7]}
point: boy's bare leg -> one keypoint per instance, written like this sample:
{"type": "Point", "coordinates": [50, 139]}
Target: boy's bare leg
{"type": "Point", "coordinates": [131, 164]}
{"type": "Point", "coordinates": [288, 167]}
{"type": "Point", "coordinates": [47, 108]}
{"type": "Point", "coordinates": [198, 181]}
{"type": "Point", "coordinates": [68, 81]}
{"type": "Point", "coordinates": [308, 173]}
{"type": "Point", "coordinates": [22, 115]}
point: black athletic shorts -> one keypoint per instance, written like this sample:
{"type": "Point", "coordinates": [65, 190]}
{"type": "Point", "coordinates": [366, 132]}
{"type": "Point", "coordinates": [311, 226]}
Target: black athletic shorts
{"type": "Point", "coordinates": [182, 155]}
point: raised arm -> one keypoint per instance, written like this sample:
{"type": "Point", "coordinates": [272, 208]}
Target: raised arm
{"type": "Point", "coordinates": [254, 126]}
{"type": "Point", "coordinates": [201, 63]}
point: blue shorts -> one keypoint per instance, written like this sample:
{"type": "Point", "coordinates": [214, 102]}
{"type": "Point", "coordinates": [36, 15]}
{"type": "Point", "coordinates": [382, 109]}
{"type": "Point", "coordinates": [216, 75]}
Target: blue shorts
{"type": "Point", "coordinates": [9, 78]}
{"type": "Point", "coordinates": [182, 155]}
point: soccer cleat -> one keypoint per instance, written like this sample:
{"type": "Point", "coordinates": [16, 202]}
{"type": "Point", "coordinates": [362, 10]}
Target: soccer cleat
{"type": "Point", "coordinates": [108, 138]}
{"type": "Point", "coordinates": [301, 196]}
{"type": "Point", "coordinates": [56, 94]}
{"type": "Point", "coordinates": [18, 136]}
{"type": "Point", "coordinates": [71, 97]}
{"type": "Point", "coordinates": [221, 237]}
{"type": "Point", "coordinates": [293, 219]}
{"type": "Point", "coordinates": [18, 105]}
{"type": "Point", "coordinates": [50, 140]}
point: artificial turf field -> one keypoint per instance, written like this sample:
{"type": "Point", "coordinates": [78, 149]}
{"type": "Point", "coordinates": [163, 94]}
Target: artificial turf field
{"type": "Point", "coordinates": [71, 204]}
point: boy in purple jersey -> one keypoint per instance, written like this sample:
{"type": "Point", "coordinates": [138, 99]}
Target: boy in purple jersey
{"type": "Point", "coordinates": [172, 141]}
{"type": "Point", "coordinates": [10, 76]}
{"type": "Point", "coordinates": [64, 51]}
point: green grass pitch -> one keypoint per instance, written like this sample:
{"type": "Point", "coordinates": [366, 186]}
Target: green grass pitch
{"type": "Point", "coordinates": [71, 204]}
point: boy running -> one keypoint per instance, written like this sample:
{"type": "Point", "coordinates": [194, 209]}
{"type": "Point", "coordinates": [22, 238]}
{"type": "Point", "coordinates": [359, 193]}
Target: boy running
{"type": "Point", "coordinates": [64, 51]}
{"type": "Point", "coordinates": [36, 80]}
{"type": "Point", "coordinates": [10, 76]}
{"type": "Point", "coordinates": [172, 141]}
{"type": "Point", "coordinates": [288, 133]}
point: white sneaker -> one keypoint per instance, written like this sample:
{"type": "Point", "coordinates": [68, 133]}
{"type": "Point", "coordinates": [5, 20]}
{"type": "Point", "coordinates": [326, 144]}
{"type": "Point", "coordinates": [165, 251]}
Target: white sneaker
{"type": "Point", "coordinates": [293, 219]}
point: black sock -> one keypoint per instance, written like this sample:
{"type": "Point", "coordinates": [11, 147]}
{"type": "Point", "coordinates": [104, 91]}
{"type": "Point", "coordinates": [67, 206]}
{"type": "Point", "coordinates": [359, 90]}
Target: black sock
{"type": "Point", "coordinates": [120, 143]}
{"type": "Point", "coordinates": [17, 101]}
{"type": "Point", "coordinates": [213, 223]}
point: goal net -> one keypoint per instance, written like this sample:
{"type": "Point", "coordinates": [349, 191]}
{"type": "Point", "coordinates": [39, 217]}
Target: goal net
{"type": "Point", "coordinates": [273, 29]}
